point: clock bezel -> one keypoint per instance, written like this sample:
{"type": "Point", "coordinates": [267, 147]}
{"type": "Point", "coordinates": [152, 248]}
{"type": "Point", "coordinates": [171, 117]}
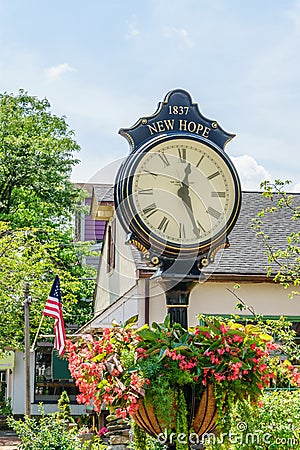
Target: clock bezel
{"type": "Point", "coordinates": [130, 217]}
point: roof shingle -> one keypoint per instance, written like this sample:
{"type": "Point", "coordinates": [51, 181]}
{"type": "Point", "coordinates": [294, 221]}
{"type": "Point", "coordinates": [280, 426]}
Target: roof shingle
{"type": "Point", "coordinates": [247, 254]}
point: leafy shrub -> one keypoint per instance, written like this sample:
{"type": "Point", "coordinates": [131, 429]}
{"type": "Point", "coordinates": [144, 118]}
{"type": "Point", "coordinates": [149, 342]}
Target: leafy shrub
{"type": "Point", "coordinates": [64, 409]}
{"type": "Point", "coordinates": [143, 441]}
{"type": "Point", "coordinates": [47, 433]}
{"type": "Point", "coordinates": [274, 425]}
{"type": "Point", "coordinates": [96, 444]}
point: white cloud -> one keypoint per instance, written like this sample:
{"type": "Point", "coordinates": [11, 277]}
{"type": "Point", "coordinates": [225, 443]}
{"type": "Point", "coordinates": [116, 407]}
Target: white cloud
{"type": "Point", "coordinates": [275, 70]}
{"type": "Point", "coordinates": [294, 15]}
{"type": "Point", "coordinates": [179, 33]}
{"type": "Point", "coordinates": [250, 172]}
{"type": "Point", "coordinates": [133, 30]}
{"type": "Point", "coordinates": [296, 188]}
{"type": "Point", "coordinates": [56, 72]}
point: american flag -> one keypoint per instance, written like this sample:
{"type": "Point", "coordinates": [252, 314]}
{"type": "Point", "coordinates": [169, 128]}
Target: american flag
{"type": "Point", "coordinates": [53, 308]}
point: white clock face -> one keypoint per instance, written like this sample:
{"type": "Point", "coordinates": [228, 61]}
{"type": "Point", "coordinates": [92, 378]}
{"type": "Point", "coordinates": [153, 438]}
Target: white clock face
{"type": "Point", "coordinates": [183, 192]}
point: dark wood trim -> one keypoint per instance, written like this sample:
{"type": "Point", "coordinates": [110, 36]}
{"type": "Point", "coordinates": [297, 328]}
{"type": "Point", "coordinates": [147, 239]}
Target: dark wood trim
{"type": "Point", "coordinates": [234, 277]}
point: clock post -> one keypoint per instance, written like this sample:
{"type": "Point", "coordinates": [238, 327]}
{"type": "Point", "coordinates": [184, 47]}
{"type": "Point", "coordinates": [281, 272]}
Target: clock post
{"type": "Point", "coordinates": [177, 282]}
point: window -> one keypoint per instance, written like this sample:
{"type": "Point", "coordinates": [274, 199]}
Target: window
{"type": "Point", "coordinates": [50, 379]}
{"type": "Point", "coordinates": [111, 239]}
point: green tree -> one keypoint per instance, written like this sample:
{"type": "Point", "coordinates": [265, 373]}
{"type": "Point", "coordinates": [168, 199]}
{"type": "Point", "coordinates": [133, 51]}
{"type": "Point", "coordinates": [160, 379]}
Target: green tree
{"type": "Point", "coordinates": [36, 159]}
{"type": "Point", "coordinates": [37, 202]}
{"type": "Point", "coordinates": [283, 249]}
{"type": "Point", "coordinates": [24, 258]}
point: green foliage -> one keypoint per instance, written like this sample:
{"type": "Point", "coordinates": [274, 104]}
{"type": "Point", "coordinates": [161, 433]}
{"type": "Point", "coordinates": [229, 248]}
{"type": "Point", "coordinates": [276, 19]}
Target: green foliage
{"type": "Point", "coordinates": [36, 159]}
{"type": "Point", "coordinates": [5, 404]}
{"type": "Point", "coordinates": [143, 441]}
{"type": "Point", "coordinates": [181, 422]}
{"type": "Point", "coordinates": [272, 426]}
{"type": "Point", "coordinates": [25, 258]}
{"type": "Point", "coordinates": [284, 260]}
{"type": "Point", "coordinates": [96, 444]}
{"type": "Point", "coordinates": [227, 357]}
{"type": "Point", "coordinates": [161, 393]}
{"type": "Point", "coordinates": [47, 433]}
{"type": "Point", "coordinates": [282, 332]}
{"type": "Point", "coordinates": [64, 409]}
{"type": "Point", "coordinates": [37, 203]}
{"type": "Point", "coordinates": [140, 437]}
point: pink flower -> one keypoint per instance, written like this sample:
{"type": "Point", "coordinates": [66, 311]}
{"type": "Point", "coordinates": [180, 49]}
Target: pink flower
{"type": "Point", "coordinates": [224, 328]}
{"type": "Point", "coordinates": [219, 377]}
{"type": "Point", "coordinates": [272, 346]}
{"type": "Point", "coordinates": [102, 431]}
{"type": "Point", "coordinates": [220, 351]}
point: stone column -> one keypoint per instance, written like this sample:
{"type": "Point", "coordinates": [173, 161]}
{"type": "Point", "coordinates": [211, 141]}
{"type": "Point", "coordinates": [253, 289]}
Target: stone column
{"type": "Point", "coordinates": [118, 433]}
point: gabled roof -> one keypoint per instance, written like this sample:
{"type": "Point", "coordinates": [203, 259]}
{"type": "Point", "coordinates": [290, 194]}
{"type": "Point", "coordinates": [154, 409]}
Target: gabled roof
{"type": "Point", "coordinates": [104, 193]}
{"type": "Point", "coordinates": [102, 206]}
{"type": "Point", "coordinates": [246, 255]}
{"type": "Point", "coordinates": [88, 186]}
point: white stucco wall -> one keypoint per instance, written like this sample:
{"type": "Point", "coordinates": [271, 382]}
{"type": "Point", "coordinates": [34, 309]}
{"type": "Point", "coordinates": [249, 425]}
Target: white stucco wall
{"type": "Point", "coordinates": [18, 383]}
{"type": "Point", "coordinates": [211, 297]}
{"type": "Point", "coordinates": [268, 299]}
{"type": "Point", "coordinates": [112, 285]}
{"type": "Point", "coordinates": [130, 304]}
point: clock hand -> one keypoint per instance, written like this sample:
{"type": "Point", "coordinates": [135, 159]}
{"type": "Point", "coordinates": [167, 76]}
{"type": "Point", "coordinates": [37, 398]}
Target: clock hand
{"type": "Point", "coordinates": [184, 189]}
{"type": "Point", "coordinates": [184, 193]}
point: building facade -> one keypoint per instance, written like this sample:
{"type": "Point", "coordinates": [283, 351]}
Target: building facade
{"type": "Point", "coordinates": [127, 286]}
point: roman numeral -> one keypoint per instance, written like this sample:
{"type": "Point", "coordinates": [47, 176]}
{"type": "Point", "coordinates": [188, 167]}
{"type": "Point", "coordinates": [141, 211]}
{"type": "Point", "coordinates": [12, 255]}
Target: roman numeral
{"type": "Point", "coordinates": [218, 194]}
{"type": "Point", "coordinates": [146, 191]}
{"type": "Point", "coordinates": [213, 175]}
{"type": "Point", "coordinates": [163, 224]}
{"type": "Point", "coordinates": [150, 209]}
{"type": "Point", "coordinates": [214, 213]}
{"type": "Point", "coordinates": [164, 159]}
{"type": "Point", "coordinates": [181, 230]}
{"type": "Point", "coordinates": [182, 154]}
{"type": "Point", "coordinates": [200, 160]}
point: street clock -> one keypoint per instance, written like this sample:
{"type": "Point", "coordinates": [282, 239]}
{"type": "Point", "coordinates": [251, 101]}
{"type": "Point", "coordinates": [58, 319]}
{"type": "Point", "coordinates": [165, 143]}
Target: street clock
{"type": "Point", "coordinates": [177, 194]}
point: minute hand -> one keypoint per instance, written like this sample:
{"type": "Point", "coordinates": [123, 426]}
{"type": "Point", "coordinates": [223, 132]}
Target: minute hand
{"type": "Point", "coordinates": [184, 194]}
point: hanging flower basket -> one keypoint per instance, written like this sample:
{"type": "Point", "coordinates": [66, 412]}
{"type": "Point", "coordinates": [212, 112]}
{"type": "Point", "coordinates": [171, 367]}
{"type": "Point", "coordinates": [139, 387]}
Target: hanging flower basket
{"type": "Point", "coordinates": [202, 417]}
{"type": "Point", "coordinates": [166, 377]}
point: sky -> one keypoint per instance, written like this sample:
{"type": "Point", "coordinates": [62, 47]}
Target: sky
{"type": "Point", "coordinates": [105, 64]}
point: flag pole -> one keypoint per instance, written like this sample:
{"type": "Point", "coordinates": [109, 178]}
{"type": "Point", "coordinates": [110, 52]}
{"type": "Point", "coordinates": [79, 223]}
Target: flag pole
{"type": "Point", "coordinates": [37, 333]}
{"type": "Point", "coordinates": [26, 303]}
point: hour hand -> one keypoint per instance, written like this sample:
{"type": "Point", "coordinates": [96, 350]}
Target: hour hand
{"type": "Point", "coordinates": [183, 193]}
